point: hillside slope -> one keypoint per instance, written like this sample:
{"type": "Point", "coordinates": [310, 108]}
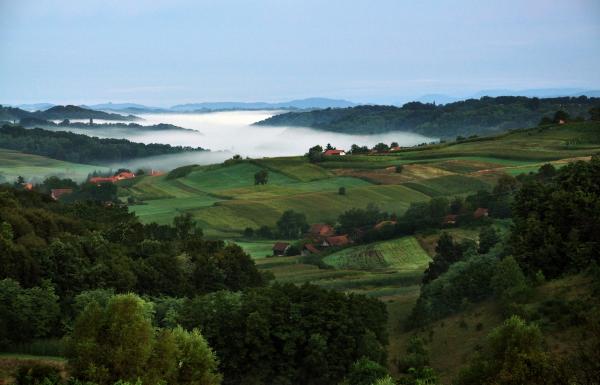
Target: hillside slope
{"type": "Point", "coordinates": [473, 116]}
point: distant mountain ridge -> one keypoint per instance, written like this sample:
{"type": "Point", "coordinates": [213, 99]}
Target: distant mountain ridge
{"type": "Point", "coordinates": [60, 113]}
{"type": "Point", "coordinates": [532, 92]}
{"type": "Point", "coordinates": [301, 104]}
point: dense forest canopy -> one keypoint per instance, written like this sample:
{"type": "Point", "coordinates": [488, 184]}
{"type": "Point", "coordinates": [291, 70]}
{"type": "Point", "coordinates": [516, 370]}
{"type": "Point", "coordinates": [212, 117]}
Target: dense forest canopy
{"type": "Point", "coordinates": [469, 117]}
{"type": "Point", "coordinates": [59, 113]}
{"type": "Point", "coordinates": [79, 148]}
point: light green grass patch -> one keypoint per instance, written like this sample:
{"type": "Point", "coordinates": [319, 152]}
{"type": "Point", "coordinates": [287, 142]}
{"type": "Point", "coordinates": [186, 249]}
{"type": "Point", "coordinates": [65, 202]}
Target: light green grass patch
{"type": "Point", "coordinates": [399, 254]}
{"type": "Point", "coordinates": [34, 167]}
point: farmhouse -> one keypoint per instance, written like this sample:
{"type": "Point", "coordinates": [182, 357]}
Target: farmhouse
{"type": "Point", "coordinates": [124, 175]}
{"type": "Point", "coordinates": [56, 193]}
{"type": "Point", "coordinates": [337, 241]}
{"type": "Point", "coordinates": [309, 249]}
{"type": "Point", "coordinates": [280, 248]}
{"type": "Point", "coordinates": [450, 219]}
{"type": "Point", "coordinates": [480, 213]}
{"type": "Point", "coordinates": [112, 179]}
{"type": "Point", "coordinates": [383, 224]}
{"type": "Point", "coordinates": [334, 153]}
{"type": "Point", "coordinates": [321, 230]}
{"type": "Point", "coordinates": [100, 179]}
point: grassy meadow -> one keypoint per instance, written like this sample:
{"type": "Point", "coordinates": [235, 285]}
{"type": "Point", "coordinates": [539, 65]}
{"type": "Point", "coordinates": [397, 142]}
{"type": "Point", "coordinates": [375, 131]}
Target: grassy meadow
{"type": "Point", "coordinates": [34, 167]}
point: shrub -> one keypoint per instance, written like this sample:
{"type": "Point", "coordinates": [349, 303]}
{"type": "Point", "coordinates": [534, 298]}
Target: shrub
{"type": "Point", "coordinates": [37, 374]}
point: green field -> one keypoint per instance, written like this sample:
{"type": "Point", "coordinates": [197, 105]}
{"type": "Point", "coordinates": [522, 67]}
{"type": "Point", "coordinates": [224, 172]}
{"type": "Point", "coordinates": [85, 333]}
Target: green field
{"type": "Point", "coordinates": [398, 254]}
{"type": "Point", "coordinates": [34, 167]}
{"type": "Point", "coordinates": [224, 199]}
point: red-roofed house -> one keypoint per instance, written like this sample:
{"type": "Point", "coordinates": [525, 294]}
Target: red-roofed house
{"type": "Point", "coordinates": [319, 230]}
{"type": "Point", "coordinates": [101, 179]}
{"type": "Point", "coordinates": [28, 186]}
{"type": "Point", "coordinates": [334, 153]}
{"type": "Point", "coordinates": [56, 193]}
{"type": "Point", "coordinates": [382, 224]}
{"type": "Point", "coordinates": [480, 213]}
{"type": "Point", "coordinates": [337, 241]}
{"type": "Point", "coordinates": [450, 219]}
{"type": "Point", "coordinates": [280, 248]}
{"type": "Point", "coordinates": [309, 249]}
{"type": "Point", "coordinates": [394, 149]}
{"type": "Point", "coordinates": [124, 175]}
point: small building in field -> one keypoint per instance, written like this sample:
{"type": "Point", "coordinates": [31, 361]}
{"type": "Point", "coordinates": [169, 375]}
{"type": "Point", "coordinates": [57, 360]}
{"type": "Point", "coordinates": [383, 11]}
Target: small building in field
{"type": "Point", "coordinates": [56, 193]}
{"type": "Point", "coordinates": [334, 153]}
{"type": "Point", "coordinates": [156, 173]}
{"type": "Point", "coordinates": [124, 175]}
{"type": "Point", "coordinates": [450, 219]}
{"type": "Point", "coordinates": [394, 149]}
{"type": "Point", "coordinates": [320, 230]}
{"type": "Point", "coordinates": [28, 186]}
{"type": "Point", "coordinates": [101, 179]}
{"type": "Point", "coordinates": [383, 224]}
{"type": "Point", "coordinates": [280, 248]}
{"type": "Point", "coordinates": [481, 213]}
{"type": "Point", "coordinates": [309, 249]}
{"type": "Point", "coordinates": [336, 241]}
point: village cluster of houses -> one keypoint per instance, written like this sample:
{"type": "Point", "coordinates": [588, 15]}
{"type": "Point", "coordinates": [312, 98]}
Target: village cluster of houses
{"type": "Point", "coordinates": [343, 152]}
{"type": "Point", "coordinates": [56, 193]}
{"type": "Point", "coordinates": [451, 219]}
{"type": "Point", "coordinates": [322, 235]}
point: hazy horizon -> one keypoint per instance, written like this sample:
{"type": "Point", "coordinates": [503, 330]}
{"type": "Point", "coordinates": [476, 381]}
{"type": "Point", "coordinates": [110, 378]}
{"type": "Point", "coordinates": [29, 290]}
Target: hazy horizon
{"type": "Point", "coordinates": [171, 52]}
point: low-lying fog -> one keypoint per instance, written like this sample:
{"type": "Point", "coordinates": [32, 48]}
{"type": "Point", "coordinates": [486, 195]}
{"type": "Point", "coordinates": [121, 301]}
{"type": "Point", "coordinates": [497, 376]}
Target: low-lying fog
{"type": "Point", "coordinates": [232, 132]}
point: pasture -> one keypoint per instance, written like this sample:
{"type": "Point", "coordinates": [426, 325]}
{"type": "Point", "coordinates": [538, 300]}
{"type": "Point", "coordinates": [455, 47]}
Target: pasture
{"type": "Point", "coordinates": [36, 168]}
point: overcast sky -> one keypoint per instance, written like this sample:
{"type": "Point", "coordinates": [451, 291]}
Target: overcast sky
{"type": "Point", "coordinates": [166, 52]}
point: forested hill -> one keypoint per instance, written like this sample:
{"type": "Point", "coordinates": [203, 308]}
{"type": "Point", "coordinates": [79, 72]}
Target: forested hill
{"type": "Point", "coordinates": [469, 117]}
{"type": "Point", "coordinates": [79, 148]}
{"type": "Point", "coordinates": [59, 113]}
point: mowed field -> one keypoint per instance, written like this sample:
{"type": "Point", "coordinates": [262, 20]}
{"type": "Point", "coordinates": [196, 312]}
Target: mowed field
{"type": "Point", "coordinates": [224, 200]}
{"type": "Point", "coordinates": [34, 167]}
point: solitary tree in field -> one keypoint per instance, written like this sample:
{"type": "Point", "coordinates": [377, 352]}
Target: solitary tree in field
{"type": "Point", "coordinates": [261, 177]}
{"type": "Point", "coordinates": [342, 190]}
{"type": "Point", "coordinates": [399, 168]}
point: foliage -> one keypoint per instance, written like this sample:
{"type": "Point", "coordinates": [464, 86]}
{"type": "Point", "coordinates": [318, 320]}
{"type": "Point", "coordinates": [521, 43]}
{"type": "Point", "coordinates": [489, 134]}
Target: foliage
{"type": "Point", "coordinates": [37, 374]}
{"type": "Point", "coordinates": [86, 246]}
{"type": "Point", "coordinates": [261, 177]}
{"type": "Point", "coordinates": [292, 225]}
{"type": "Point", "coordinates": [117, 342]}
{"type": "Point", "coordinates": [557, 222]}
{"type": "Point", "coordinates": [514, 353]}
{"type": "Point", "coordinates": [288, 334]}
{"type": "Point", "coordinates": [468, 117]}
{"type": "Point", "coordinates": [365, 372]}
{"type": "Point", "coordinates": [488, 237]}
{"type": "Point", "coordinates": [315, 154]}
{"type": "Point", "coordinates": [447, 252]}
{"type": "Point", "coordinates": [79, 148]}
{"type": "Point", "coordinates": [465, 282]}
{"type": "Point", "coordinates": [27, 313]}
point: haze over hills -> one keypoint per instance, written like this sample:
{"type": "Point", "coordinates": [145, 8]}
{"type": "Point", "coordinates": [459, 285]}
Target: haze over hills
{"type": "Point", "coordinates": [440, 98]}
{"type": "Point", "coordinates": [61, 112]}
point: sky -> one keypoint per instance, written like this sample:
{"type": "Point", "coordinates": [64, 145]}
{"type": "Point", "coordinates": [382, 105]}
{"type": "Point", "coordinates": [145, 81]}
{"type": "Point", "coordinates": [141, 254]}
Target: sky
{"type": "Point", "coordinates": [165, 52]}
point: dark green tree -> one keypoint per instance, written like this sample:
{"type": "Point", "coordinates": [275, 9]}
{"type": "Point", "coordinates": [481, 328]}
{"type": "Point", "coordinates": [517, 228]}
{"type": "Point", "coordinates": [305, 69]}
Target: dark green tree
{"type": "Point", "coordinates": [261, 177]}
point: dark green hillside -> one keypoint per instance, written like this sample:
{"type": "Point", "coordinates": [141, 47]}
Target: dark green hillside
{"type": "Point", "coordinates": [59, 113]}
{"type": "Point", "coordinates": [78, 148]}
{"type": "Point", "coordinates": [469, 117]}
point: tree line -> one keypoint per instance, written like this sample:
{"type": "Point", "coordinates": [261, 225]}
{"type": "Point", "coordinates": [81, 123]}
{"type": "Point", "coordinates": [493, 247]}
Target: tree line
{"type": "Point", "coordinates": [79, 148]}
